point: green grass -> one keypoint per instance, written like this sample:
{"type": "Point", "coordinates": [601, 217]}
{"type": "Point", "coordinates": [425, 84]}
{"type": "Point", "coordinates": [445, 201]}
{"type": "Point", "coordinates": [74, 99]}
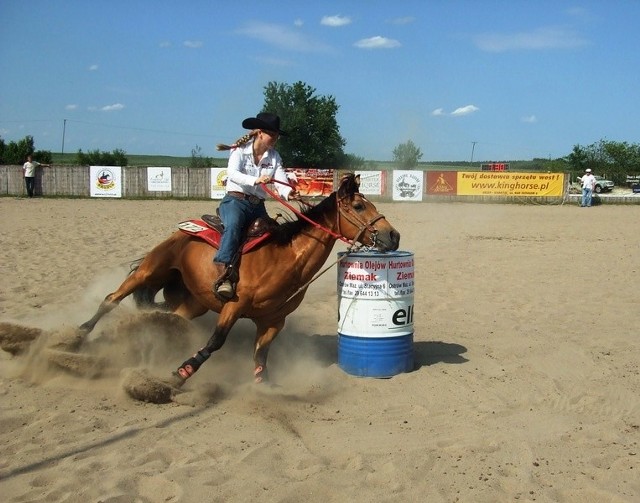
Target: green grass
{"type": "Point", "coordinates": [71, 159]}
{"type": "Point", "coordinates": [170, 161]}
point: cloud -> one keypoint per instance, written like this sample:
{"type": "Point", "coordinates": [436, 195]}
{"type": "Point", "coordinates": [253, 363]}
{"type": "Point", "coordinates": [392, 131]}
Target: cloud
{"type": "Point", "coordinates": [71, 107]}
{"type": "Point", "coordinates": [466, 110]}
{"type": "Point", "coordinates": [540, 39]}
{"type": "Point", "coordinates": [93, 68]}
{"type": "Point", "coordinates": [281, 37]}
{"type": "Point", "coordinates": [377, 43]}
{"type": "Point", "coordinates": [578, 13]}
{"type": "Point", "coordinates": [112, 108]}
{"type": "Point", "coordinates": [458, 112]}
{"type": "Point", "coordinates": [164, 43]}
{"type": "Point", "coordinates": [298, 22]}
{"type": "Point", "coordinates": [530, 119]}
{"type": "Point", "coordinates": [403, 20]}
{"type": "Point", "coordinates": [192, 44]}
{"type": "Point", "coordinates": [335, 21]}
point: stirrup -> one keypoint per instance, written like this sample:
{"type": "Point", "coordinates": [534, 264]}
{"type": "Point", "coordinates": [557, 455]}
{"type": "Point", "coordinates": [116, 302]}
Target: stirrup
{"type": "Point", "coordinates": [224, 290]}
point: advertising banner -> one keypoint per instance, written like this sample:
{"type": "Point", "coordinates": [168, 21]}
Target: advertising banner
{"type": "Point", "coordinates": [159, 179]}
{"type": "Point", "coordinates": [371, 182]}
{"type": "Point", "coordinates": [510, 184]}
{"type": "Point", "coordinates": [105, 181]}
{"type": "Point", "coordinates": [376, 294]}
{"type": "Point", "coordinates": [407, 185]}
{"type": "Point", "coordinates": [218, 182]}
{"type": "Point", "coordinates": [312, 182]}
{"type": "Point", "coordinates": [442, 183]}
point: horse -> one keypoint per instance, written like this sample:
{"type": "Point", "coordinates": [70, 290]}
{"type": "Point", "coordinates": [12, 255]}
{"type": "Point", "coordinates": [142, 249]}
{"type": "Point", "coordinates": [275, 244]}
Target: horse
{"type": "Point", "coordinates": [273, 276]}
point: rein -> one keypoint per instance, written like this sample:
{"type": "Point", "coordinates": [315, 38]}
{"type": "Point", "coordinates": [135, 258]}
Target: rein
{"type": "Point", "coordinates": [302, 215]}
{"type": "Point", "coordinates": [341, 210]}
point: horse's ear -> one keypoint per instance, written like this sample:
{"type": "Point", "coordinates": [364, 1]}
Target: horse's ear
{"type": "Point", "coordinates": [349, 185]}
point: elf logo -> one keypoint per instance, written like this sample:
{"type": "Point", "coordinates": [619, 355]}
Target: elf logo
{"type": "Point", "coordinates": [403, 316]}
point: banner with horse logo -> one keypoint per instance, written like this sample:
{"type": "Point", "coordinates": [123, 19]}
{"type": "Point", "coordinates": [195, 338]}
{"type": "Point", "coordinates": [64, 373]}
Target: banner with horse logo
{"type": "Point", "coordinates": [159, 179]}
{"type": "Point", "coordinates": [105, 181]}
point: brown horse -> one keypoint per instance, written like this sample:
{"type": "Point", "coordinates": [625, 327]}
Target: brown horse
{"type": "Point", "coordinates": [273, 277]}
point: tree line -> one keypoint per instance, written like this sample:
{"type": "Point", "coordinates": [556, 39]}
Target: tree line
{"type": "Point", "coordinates": [314, 141]}
{"type": "Point", "coordinates": [16, 152]}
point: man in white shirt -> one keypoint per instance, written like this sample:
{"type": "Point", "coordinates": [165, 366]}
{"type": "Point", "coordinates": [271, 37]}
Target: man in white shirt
{"type": "Point", "coordinates": [588, 186]}
{"type": "Point", "coordinates": [29, 171]}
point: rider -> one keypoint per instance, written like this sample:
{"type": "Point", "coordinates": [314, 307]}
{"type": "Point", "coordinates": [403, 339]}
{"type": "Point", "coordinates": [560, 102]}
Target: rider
{"type": "Point", "coordinates": [252, 162]}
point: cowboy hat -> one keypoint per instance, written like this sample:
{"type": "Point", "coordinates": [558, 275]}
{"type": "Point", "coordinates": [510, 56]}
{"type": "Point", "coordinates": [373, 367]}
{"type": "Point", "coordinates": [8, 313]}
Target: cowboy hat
{"type": "Point", "coordinates": [266, 121]}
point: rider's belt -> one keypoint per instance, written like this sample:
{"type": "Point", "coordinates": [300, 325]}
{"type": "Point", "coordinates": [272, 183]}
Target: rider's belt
{"type": "Point", "coordinates": [248, 197]}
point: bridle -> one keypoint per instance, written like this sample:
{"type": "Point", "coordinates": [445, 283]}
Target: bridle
{"type": "Point", "coordinates": [346, 211]}
{"type": "Point", "coordinates": [343, 209]}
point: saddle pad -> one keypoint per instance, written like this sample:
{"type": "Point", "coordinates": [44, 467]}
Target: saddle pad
{"type": "Point", "coordinates": [201, 230]}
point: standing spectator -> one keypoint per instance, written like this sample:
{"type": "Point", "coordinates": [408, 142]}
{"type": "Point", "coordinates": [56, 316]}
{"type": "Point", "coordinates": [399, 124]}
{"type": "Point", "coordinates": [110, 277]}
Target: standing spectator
{"type": "Point", "coordinates": [588, 186]}
{"type": "Point", "coordinates": [29, 171]}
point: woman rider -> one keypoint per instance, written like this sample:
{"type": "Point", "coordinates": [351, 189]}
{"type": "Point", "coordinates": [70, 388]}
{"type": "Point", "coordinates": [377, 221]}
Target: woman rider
{"type": "Point", "coordinates": [253, 161]}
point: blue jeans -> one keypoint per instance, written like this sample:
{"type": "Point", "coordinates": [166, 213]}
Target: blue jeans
{"type": "Point", "coordinates": [586, 197]}
{"type": "Point", "coordinates": [236, 215]}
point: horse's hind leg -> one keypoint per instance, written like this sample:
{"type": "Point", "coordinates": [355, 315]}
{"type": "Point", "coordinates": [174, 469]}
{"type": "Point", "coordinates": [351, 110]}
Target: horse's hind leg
{"type": "Point", "coordinates": [103, 309]}
{"type": "Point", "coordinates": [138, 278]}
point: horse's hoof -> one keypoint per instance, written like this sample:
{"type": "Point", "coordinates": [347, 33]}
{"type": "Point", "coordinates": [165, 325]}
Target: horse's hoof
{"type": "Point", "coordinates": [16, 339]}
{"type": "Point", "coordinates": [260, 375]}
{"type": "Point", "coordinates": [139, 385]}
{"type": "Point", "coordinates": [85, 328]}
{"type": "Point", "coordinates": [176, 380]}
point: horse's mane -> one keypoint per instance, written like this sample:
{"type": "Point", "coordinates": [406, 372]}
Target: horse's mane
{"type": "Point", "coordinates": [286, 231]}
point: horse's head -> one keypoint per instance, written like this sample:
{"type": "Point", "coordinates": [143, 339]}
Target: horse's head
{"type": "Point", "coordinates": [359, 220]}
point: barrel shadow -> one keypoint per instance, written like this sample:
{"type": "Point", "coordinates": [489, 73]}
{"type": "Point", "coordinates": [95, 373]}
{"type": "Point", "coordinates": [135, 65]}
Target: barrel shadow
{"type": "Point", "coordinates": [425, 353]}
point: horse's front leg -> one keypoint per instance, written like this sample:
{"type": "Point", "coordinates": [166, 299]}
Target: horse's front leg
{"type": "Point", "coordinates": [216, 341]}
{"type": "Point", "coordinates": [264, 337]}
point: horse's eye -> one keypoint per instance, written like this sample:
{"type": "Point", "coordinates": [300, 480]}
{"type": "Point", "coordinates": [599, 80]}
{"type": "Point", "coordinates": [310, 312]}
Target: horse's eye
{"type": "Point", "coordinates": [358, 206]}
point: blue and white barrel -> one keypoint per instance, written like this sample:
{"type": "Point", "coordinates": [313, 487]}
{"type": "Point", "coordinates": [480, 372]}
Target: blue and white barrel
{"type": "Point", "coordinates": [375, 313]}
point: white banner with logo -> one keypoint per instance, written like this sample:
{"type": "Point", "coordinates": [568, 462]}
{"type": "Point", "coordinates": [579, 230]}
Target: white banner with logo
{"type": "Point", "coordinates": [105, 181]}
{"type": "Point", "coordinates": [407, 185]}
{"type": "Point", "coordinates": [159, 179]}
{"type": "Point", "coordinates": [371, 182]}
{"type": "Point", "coordinates": [218, 182]}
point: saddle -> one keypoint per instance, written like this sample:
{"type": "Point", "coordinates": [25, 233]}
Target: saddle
{"type": "Point", "coordinates": [209, 228]}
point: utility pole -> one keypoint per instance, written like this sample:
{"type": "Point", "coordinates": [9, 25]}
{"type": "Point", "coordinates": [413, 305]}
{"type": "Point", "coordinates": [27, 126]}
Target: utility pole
{"type": "Point", "coordinates": [473, 147]}
{"type": "Point", "coordinates": [64, 128]}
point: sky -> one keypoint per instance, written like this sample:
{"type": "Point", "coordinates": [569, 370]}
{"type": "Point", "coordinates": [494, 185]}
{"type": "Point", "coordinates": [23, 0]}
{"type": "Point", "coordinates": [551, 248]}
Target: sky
{"type": "Point", "coordinates": [464, 80]}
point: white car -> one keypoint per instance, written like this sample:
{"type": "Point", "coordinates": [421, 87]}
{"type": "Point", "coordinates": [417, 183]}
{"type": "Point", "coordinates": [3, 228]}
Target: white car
{"type": "Point", "coordinates": [602, 185]}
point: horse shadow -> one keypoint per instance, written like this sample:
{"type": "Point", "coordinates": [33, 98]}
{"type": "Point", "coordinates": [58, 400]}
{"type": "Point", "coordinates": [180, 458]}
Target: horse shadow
{"type": "Point", "coordinates": [425, 353]}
